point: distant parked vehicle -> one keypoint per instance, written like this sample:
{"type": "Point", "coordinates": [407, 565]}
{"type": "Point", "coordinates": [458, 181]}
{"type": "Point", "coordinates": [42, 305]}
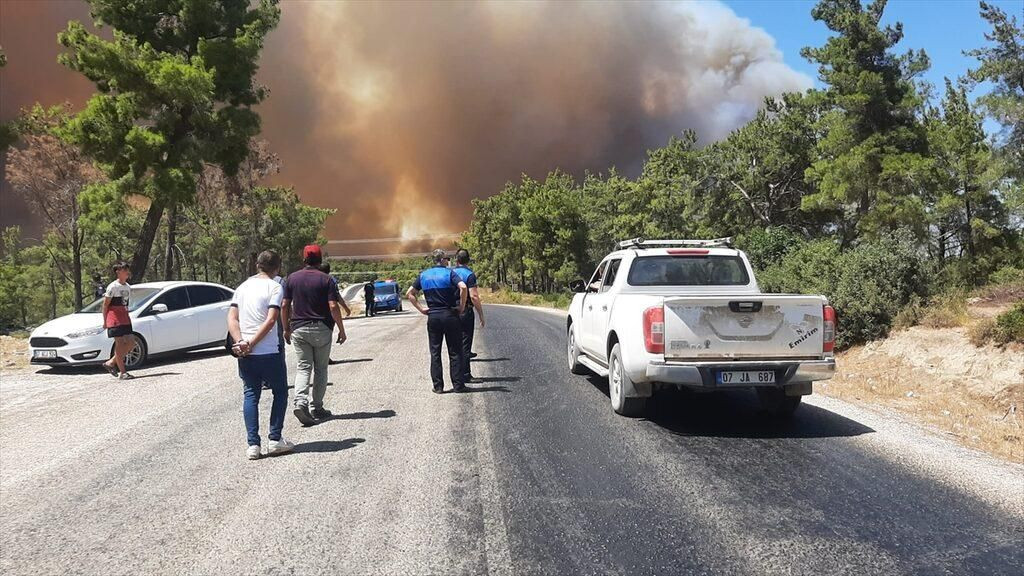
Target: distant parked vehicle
{"type": "Point", "coordinates": [386, 296]}
{"type": "Point", "coordinates": [689, 314]}
{"type": "Point", "coordinates": [166, 317]}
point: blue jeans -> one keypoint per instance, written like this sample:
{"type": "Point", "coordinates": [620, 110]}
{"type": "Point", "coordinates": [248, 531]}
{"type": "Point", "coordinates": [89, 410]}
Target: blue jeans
{"type": "Point", "coordinates": [254, 371]}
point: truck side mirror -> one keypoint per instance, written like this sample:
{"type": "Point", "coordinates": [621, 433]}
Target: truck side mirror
{"type": "Point", "coordinates": [578, 286]}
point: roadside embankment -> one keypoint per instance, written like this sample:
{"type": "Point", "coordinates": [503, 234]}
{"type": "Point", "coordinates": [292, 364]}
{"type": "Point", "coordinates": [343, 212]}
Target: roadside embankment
{"type": "Point", "coordinates": [938, 378]}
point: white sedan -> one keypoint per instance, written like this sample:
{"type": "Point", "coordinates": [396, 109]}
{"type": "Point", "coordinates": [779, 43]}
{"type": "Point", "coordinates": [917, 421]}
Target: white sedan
{"type": "Point", "coordinates": [166, 317]}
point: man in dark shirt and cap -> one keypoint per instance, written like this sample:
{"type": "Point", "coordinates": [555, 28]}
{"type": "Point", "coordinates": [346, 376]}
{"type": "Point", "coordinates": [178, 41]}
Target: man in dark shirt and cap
{"type": "Point", "coordinates": [310, 310]}
{"type": "Point", "coordinates": [445, 294]}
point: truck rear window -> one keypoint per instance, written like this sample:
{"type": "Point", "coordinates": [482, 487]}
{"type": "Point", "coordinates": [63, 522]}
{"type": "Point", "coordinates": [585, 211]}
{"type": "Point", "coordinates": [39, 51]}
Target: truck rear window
{"type": "Point", "coordinates": [688, 271]}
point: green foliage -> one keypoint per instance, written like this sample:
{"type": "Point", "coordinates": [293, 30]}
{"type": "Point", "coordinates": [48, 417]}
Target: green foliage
{"type": "Point", "coordinates": [220, 241]}
{"type": "Point", "coordinates": [1010, 325]}
{"type": "Point", "coordinates": [176, 89]}
{"type": "Point", "coordinates": [1002, 64]}
{"type": "Point", "coordinates": [869, 156]}
{"type": "Point", "coordinates": [868, 285]}
{"type": "Point", "coordinates": [1007, 275]}
{"type": "Point", "coordinates": [532, 236]}
{"type": "Point", "coordinates": [765, 247]}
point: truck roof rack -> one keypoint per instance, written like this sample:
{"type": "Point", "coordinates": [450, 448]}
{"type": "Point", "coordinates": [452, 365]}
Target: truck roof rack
{"type": "Point", "coordinates": [641, 243]}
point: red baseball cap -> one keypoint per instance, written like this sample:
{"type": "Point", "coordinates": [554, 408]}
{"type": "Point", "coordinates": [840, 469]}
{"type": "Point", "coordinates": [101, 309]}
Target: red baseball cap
{"type": "Point", "coordinates": [312, 250]}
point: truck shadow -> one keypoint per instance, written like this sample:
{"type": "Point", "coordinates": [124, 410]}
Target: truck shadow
{"type": "Point", "coordinates": [738, 414]}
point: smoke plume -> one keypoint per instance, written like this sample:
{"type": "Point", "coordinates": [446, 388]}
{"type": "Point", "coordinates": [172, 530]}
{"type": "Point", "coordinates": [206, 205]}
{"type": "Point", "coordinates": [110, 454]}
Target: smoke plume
{"type": "Point", "coordinates": [398, 114]}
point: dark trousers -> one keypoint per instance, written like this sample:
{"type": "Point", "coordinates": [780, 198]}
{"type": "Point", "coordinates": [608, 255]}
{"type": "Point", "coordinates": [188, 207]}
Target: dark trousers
{"type": "Point", "coordinates": [467, 320]}
{"type": "Point", "coordinates": [369, 307]}
{"type": "Point", "coordinates": [444, 325]}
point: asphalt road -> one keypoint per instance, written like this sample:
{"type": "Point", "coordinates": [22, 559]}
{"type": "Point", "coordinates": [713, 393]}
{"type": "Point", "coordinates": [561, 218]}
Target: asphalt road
{"type": "Point", "coordinates": [530, 474]}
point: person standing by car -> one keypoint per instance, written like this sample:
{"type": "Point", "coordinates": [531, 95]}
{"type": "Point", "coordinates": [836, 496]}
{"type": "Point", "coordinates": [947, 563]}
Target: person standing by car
{"type": "Point", "coordinates": [368, 295]}
{"type": "Point", "coordinates": [98, 290]}
{"type": "Point", "coordinates": [117, 322]}
{"type": "Point", "coordinates": [254, 312]}
{"type": "Point", "coordinates": [445, 294]}
{"type": "Point", "coordinates": [311, 310]}
{"type": "Point", "coordinates": [469, 277]}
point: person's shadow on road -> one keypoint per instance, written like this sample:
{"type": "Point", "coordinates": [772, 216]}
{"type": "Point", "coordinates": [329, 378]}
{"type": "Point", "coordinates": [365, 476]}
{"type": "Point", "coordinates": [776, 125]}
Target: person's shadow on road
{"type": "Point", "coordinates": [361, 415]}
{"type": "Point", "coordinates": [320, 446]}
{"type": "Point", "coordinates": [348, 361]}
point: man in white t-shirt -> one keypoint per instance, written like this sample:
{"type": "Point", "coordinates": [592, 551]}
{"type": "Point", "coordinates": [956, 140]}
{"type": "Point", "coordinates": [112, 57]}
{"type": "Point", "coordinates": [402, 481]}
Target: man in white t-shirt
{"type": "Point", "coordinates": [252, 319]}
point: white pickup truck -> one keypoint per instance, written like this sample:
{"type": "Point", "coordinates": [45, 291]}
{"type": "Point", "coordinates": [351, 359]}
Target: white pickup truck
{"type": "Point", "coordinates": [689, 314]}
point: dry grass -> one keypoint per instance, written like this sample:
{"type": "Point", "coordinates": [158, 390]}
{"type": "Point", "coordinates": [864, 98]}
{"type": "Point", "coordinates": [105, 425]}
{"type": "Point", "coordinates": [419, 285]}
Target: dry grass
{"type": "Point", "coordinates": [935, 377]}
{"type": "Point", "coordinates": [13, 353]}
{"type": "Point", "coordinates": [559, 301]}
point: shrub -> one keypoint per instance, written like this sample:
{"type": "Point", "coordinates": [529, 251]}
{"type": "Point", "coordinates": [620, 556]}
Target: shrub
{"type": "Point", "coordinates": [868, 285]}
{"type": "Point", "coordinates": [947, 310]}
{"type": "Point", "coordinates": [1007, 275]}
{"type": "Point", "coordinates": [982, 332]}
{"type": "Point", "coordinates": [1010, 325]}
{"type": "Point", "coordinates": [767, 246]}
{"type": "Point", "coordinates": [910, 315]}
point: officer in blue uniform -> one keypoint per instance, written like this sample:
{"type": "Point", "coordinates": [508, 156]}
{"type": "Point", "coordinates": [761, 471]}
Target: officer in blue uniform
{"type": "Point", "coordinates": [446, 297]}
{"type": "Point", "coordinates": [466, 275]}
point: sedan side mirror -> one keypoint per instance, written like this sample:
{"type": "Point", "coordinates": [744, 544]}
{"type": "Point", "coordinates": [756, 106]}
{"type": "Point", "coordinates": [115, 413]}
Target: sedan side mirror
{"type": "Point", "coordinates": [158, 308]}
{"type": "Point", "coordinates": [578, 286]}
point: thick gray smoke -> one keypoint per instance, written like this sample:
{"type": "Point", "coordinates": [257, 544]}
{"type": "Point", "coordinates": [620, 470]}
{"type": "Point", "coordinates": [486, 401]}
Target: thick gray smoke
{"type": "Point", "coordinates": [398, 114]}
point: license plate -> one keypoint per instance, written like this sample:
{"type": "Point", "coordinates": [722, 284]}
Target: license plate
{"type": "Point", "coordinates": [746, 377]}
{"type": "Point", "coordinates": [45, 354]}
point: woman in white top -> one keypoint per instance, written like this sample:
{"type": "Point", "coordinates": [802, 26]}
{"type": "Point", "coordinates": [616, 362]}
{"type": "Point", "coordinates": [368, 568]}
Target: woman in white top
{"type": "Point", "coordinates": [252, 317]}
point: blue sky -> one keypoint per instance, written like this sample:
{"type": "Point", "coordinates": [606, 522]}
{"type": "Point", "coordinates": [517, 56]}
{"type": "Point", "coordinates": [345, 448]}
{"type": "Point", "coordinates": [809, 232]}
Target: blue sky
{"type": "Point", "coordinates": [943, 28]}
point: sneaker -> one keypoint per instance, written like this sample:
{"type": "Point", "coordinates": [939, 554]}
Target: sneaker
{"type": "Point", "coordinates": [282, 446]}
{"type": "Point", "coordinates": [461, 389]}
{"type": "Point", "coordinates": [438, 390]}
{"type": "Point", "coordinates": [302, 415]}
{"type": "Point", "coordinates": [321, 413]}
{"type": "Point", "coordinates": [253, 452]}
{"type": "Point", "coordinates": [126, 376]}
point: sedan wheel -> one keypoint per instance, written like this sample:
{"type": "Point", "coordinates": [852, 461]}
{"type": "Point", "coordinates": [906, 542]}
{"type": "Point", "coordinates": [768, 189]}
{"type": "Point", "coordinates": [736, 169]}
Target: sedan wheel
{"type": "Point", "coordinates": [137, 355]}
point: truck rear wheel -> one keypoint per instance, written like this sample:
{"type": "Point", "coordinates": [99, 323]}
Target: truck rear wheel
{"type": "Point", "coordinates": [775, 401]}
{"type": "Point", "coordinates": [618, 382]}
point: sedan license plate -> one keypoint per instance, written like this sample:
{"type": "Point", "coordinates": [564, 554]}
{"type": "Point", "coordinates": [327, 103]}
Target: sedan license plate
{"type": "Point", "coordinates": [745, 377]}
{"type": "Point", "coordinates": [45, 354]}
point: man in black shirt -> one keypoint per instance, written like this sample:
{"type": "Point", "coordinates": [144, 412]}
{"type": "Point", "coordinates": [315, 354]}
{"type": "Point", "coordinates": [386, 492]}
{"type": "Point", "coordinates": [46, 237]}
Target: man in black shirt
{"type": "Point", "coordinates": [310, 309]}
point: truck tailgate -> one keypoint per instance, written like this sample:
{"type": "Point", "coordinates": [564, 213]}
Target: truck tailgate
{"type": "Point", "coordinates": [763, 326]}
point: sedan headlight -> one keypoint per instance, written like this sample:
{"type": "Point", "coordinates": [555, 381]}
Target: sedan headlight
{"type": "Point", "coordinates": [84, 333]}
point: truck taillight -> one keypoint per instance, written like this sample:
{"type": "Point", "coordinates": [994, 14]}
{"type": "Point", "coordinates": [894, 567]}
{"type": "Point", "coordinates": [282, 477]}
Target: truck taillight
{"type": "Point", "coordinates": [829, 316]}
{"type": "Point", "coordinates": [654, 330]}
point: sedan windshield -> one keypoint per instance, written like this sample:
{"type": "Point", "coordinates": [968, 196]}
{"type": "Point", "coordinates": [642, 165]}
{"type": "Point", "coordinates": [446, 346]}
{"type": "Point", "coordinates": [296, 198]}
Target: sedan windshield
{"type": "Point", "coordinates": [385, 290]}
{"type": "Point", "coordinates": [137, 300]}
{"type": "Point", "coordinates": [688, 271]}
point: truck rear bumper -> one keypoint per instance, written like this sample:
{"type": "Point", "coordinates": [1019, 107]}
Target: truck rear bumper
{"type": "Point", "coordinates": [702, 374]}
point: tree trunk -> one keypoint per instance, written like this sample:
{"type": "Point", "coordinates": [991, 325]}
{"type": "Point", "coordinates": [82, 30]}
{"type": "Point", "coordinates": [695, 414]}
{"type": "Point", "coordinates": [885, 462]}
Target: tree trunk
{"type": "Point", "coordinates": [53, 298]}
{"type": "Point", "coordinates": [968, 227]}
{"type": "Point", "coordinates": [172, 225]}
{"type": "Point", "coordinates": [140, 259]}
{"type": "Point", "coordinates": [76, 257]}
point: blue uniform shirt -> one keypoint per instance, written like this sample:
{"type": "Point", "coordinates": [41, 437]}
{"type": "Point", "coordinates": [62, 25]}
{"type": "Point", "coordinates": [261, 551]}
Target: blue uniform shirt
{"type": "Point", "coordinates": [466, 275]}
{"type": "Point", "coordinates": [440, 287]}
